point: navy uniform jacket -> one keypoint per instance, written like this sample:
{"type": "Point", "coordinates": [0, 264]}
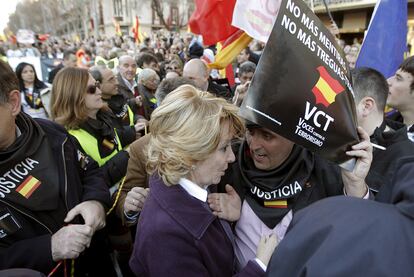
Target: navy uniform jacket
{"type": "Point", "coordinates": [30, 247]}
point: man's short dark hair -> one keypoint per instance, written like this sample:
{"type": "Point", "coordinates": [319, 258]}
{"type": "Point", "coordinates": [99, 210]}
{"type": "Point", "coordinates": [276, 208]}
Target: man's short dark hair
{"type": "Point", "coordinates": [368, 82]}
{"type": "Point", "coordinates": [248, 50]}
{"type": "Point", "coordinates": [247, 67]}
{"type": "Point", "coordinates": [145, 57]}
{"type": "Point", "coordinates": [408, 66]}
{"type": "Point", "coordinates": [95, 71]}
{"type": "Point", "coordinates": [8, 82]}
{"type": "Point", "coordinates": [168, 85]}
{"type": "Point", "coordinates": [68, 53]}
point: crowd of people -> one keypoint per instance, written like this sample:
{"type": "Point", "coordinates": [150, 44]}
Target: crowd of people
{"type": "Point", "coordinates": [132, 160]}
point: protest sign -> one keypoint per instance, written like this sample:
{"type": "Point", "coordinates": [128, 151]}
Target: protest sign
{"type": "Point", "coordinates": [301, 88]}
{"type": "Point", "coordinates": [25, 36]}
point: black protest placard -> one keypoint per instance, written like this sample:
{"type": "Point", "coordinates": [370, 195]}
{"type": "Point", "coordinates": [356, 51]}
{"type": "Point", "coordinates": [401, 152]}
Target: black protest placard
{"type": "Point", "coordinates": [301, 88]}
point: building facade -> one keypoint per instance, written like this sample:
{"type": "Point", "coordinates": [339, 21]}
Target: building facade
{"type": "Point", "coordinates": [353, 16]}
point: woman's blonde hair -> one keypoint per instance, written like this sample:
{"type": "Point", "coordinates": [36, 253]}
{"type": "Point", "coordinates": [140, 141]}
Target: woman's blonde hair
{"type": "Point", "coordinates": [67, 102]}
{"type": "Point", "coordinates": [185, 129]}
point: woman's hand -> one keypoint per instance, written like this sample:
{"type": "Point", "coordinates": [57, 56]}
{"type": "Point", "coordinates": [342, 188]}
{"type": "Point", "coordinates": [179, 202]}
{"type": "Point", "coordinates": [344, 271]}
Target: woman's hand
{"type": "Point", "coordinates": [266, 247]}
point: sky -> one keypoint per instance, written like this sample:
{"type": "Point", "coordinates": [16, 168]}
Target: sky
{"type": "Point", "coordinates": [7, 8]}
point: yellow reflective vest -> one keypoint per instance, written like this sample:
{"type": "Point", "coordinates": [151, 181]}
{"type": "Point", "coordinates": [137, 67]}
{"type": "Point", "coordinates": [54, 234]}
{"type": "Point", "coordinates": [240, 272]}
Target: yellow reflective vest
{"type": "Point", "coordinates": [90, 145]}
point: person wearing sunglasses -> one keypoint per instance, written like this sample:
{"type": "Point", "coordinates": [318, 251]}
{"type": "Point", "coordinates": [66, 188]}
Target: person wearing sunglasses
{"type": "Point", "coordinates": [77, 104]}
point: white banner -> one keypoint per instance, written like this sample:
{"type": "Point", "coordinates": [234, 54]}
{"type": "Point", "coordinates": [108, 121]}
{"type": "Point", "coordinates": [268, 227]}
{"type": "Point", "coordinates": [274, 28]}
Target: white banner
{"type": "Point", "coordinates": [25, 36]}
{"type": "Point", "coordinates": [35, 61]}
{"type": "Point", "coordinates": [256, 17]}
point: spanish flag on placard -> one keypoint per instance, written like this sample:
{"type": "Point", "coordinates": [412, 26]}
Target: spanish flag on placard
{"type": "Point", "coordinates": [280, 204]}
{"type": "Point", "coordinates": [327, 88]}
{"type": "Point", "coordinates": [29, 185]}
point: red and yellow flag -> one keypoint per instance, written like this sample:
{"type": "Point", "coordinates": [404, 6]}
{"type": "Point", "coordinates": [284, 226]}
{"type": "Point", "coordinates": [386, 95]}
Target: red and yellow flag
{"type": "Point", "coordinates": [327, 88]}
{"type": "Point", "coordinates": [229, 49]}
{"type": "Point", "coordinates": [29, 185]}
{"type": "Point", "coordinates": [280, 204]}
{"type": "Point", "coordinates": [212, 19]}
{"type": "Point", "coordinates": [227, 52]}
{"type": "Point", "coordinates": [118, 30]}
{"type": "Point", "coordinates": [136, 30]}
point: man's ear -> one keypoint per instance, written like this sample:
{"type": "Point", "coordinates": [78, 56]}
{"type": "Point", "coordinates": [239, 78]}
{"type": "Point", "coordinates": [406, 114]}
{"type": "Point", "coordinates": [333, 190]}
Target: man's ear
{"type": "Point", "coordinates": [15, 102]}
{"type": "Point", "coordinates": [368, 105]}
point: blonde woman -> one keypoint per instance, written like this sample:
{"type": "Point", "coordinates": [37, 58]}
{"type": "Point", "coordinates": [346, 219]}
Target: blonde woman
{"type": "Point", "coordinates": [189, 150]}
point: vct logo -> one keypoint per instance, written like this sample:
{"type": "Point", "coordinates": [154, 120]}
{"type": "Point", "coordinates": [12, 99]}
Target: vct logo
{"type": "Point", "coordinates": [316, 120]}
{"type": "Point", "coordinates": [327, 88]}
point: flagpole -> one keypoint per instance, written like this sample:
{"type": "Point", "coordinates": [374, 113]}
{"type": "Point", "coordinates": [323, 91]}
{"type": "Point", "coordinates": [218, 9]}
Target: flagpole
{"type": "Point", "coordinates": [334, 25]}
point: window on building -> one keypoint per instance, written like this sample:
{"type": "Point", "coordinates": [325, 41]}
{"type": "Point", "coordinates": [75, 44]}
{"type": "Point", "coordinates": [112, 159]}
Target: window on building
{"type": "Point", "coordinates": [155, 18]}
{"type": "Point", "coordinates": [174, 16]}
{"type": "Point", "coordinates": [127, 8]}
{"type": "Point", "coordinates": [117, 7]}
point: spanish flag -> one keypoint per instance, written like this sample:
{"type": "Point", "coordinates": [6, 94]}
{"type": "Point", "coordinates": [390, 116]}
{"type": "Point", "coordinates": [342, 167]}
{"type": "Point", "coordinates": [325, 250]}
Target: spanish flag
{"type": "Point", "coordinates": [327, 88]}
{"type": "Point", "coordinates": [118, 30]}
{"type": "Point", "coordinates": [212, 19]}
{"type": "Point", "coordinates": [227, 52]}
{"type": "Point", "coordinates": [277, 204]}
{"type": "Point", "coordinates": [29, 185]}
{"type": "Point", "coordinates": [229, 49]}
{"type": "Point", "coordinates": [136, 30]}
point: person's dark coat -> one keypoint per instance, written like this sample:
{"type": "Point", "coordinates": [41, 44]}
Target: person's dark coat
{"type": "Point", "coordinates": [128, 95]}
{"type": "Point", "coordinates": [149, 103]}
{"type": "Point", "coordinates": [397, 146]}
{"type": "Point", "coordinates": [346, 236]}
{"type": "Point", "coordinates": [218, 90]}
{"type": "Point", "coordinates": [52, 74]}
{"type": "Point", "coordinates": [177, 235]}
{"type": "Point", "coordinates": [30, 246]}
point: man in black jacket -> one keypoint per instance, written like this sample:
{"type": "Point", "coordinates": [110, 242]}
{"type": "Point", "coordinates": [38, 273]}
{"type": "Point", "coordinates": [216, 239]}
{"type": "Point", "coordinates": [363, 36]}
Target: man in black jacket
{"type": "Point", "coordinates": [371, 91]}
{"type": "Point", "coordinates": [401, 94]}
{"type": "Point", "coordinates": [52, 196]}
{"type": "Point", "coordinates": [275, 178]}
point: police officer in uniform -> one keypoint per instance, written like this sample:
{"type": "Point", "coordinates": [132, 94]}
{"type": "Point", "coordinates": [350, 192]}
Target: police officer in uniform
{"type": "Point", "coordinates": [52, 196]}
